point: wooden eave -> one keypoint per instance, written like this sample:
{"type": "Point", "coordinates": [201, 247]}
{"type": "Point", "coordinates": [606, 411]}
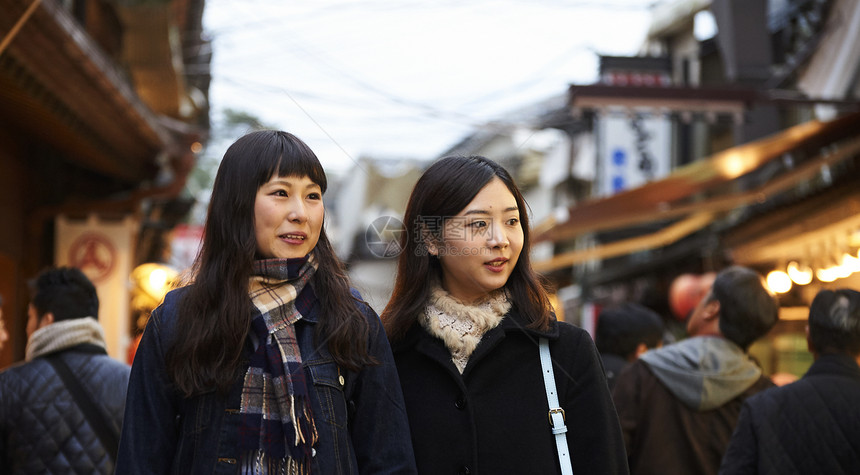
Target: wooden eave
{"type": "Point", "coordinates": [57, 86]}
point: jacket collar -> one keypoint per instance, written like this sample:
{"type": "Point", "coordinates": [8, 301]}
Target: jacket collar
{"type": "Point", "coordinates": [512, 323]}
{"type": "Point", "coordinates": [420, 340]}
{"type": "Point", "coordinates": [838, 364]}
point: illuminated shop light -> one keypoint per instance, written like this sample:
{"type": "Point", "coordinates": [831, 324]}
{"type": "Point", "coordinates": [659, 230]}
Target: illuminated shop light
{"type": "Point", "coordinates": [778, 281]}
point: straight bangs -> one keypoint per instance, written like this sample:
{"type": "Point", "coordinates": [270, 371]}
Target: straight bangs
{"type": "Point", "coordinates": [447, 187]}
{"type": "Point", "coordinates": [291, 157]}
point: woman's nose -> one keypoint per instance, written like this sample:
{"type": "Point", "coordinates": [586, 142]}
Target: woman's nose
{"type": "Point", "coordinates": [297, 212]}
{"type": "Point", "coordinates": [498, 236]}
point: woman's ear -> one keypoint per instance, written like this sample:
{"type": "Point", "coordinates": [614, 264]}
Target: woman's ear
{"type": "Point", "coordinates": [430, 241]}
{"type": "Point", "coordinates": [431, 247]}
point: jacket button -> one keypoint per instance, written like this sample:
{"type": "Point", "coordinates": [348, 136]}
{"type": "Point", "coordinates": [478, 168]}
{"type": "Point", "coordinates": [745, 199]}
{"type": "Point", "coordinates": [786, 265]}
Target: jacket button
{"type": "Point", "coordinates": [460, 403]}
{"type": "Point", "coordinates": [464, 470]}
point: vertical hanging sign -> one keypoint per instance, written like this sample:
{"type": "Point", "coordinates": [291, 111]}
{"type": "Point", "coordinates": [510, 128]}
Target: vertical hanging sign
{"type": "Point", "coordinates": [634, 148]}
{"type": "Point", "coordinates": [103, 250]}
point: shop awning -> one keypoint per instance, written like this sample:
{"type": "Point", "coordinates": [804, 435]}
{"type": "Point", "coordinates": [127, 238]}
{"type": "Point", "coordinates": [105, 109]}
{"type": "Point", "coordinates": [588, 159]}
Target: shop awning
{"type": "Point", "coordinates": [694, 195]}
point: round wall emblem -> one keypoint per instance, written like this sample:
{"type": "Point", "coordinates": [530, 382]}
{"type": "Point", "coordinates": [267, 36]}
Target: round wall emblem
{"type": "Point", "coordinates": [94, 255]}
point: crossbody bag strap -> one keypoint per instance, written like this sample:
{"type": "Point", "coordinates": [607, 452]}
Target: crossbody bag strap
{"type": "Point", "coordinates": [556, 413]}
{"type": "Point", "coordinates": [108, 437]}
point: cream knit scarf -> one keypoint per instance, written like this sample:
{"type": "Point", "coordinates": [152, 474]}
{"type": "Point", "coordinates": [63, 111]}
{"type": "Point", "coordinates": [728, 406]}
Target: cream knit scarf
{"type": "Point", "coordinates": [64, 334]}
{"type": "Point", "coordinates": [462, 326]}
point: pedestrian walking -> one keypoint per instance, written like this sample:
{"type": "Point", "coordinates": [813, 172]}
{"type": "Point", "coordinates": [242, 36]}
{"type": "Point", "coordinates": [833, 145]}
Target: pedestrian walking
{"type": "Point", "coordinates": [811, 425]}
{"type": "Point", "coordinates": [266, 362]}
{"type": "Point", "coordinates": [476, 341]}
{"type": "Point", "coordinates": [679, 404]}
{"type": "Point", "coordinates": [62, 409]}
{"type": "Point", "coordinates": [623, 333]}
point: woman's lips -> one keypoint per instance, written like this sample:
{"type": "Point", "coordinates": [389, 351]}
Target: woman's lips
{"type": "Point", "coordinates": [496, 265]}
{"type": "Point", "coordinates": [293, 238]}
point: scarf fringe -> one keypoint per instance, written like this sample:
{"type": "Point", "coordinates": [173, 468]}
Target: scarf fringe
{"type": "Point", "coordinates": [258, 463]}
{"type": "Point", "coordinates": [277, 419]}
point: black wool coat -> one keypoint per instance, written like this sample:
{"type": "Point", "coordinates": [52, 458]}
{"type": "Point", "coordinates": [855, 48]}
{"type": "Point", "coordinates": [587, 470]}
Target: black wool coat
{"type": "Point", "coordinates": [809, 426]}
{"type": "Point", "coordinates": [493, 419]}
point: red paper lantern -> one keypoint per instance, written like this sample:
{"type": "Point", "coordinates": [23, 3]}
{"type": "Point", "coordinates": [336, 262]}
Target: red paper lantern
{"type": "Point", "coordinates": [686, 291]}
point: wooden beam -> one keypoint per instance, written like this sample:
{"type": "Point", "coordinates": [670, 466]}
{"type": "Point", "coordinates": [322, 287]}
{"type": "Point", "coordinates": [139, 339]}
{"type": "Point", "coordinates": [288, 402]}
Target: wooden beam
{"type": "Point", "coordinates": [661, 238]}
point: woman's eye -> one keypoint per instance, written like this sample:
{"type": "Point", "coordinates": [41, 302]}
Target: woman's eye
{"type": "Point", "coordinates": [280, 193]}
{"type": "Point", "coordinates": [478, 224]}
{"type": "Point", "coordinates": [314, 196]}
{"type": "Point", "coordinates": [513, 221]}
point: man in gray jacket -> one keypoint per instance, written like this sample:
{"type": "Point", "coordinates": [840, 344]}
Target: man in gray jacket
{"type": "Point", "coordinates": [61, 410]}
{"type": "Point", "coordinates": [812, 425]}
{"type": "Point", "coordinates": [678, 405]}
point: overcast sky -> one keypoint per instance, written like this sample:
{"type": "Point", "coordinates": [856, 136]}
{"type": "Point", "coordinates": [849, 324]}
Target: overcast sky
{"type": "Point", "coordinates": [405, 78]}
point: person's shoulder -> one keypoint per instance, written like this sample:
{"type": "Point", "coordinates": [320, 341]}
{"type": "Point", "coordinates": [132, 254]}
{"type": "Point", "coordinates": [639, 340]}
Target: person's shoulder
{"type": "Point", "coordinates": [15, 369]}
{"type": "Point", "coordinates": [165, 313]}
{"type": "Point", "coordinates": [104, 369]}
{"type": "Point", "coordinates": [112, 363]}
{"type": "Point", "coordinates": [635, 374]}
{"type": "Point", "coordinates": [571, 340]}
{"type": "Point", "coordinates": [363, 307]}
{"type": "Point", "coordinates": [569, 333]}
{"type": "Point", "coordinates": [21, 372]}
{"type": "Point", "coordinates": [568, 329]}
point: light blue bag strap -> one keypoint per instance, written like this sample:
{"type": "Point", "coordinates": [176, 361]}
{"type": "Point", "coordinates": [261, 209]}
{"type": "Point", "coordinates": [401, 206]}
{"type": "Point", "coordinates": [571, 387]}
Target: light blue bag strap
{"type": "Point", "coordinates": [556, 413]}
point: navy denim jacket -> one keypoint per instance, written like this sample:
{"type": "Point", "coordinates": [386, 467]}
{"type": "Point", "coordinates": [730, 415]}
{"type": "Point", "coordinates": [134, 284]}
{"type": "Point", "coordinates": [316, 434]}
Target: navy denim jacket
{"type": "Point", "coordinates": [361, 418]}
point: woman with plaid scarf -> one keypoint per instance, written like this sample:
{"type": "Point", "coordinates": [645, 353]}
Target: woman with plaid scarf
{"type": "Point", "coordinates": [266, 362]}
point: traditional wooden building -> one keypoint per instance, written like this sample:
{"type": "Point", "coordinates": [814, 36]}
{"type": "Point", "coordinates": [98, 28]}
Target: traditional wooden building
{"type": "Point", "coordinates": [103, 106]}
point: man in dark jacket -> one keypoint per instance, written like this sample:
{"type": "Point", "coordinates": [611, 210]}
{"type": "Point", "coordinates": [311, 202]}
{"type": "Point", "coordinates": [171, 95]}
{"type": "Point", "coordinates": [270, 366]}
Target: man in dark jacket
{"type": "Point", "coordinates": [679, 404]}
{"type": "Point", "coordinates": [43, 429]}
{"type": "Point", "coordinates": [623, 334]}
{"type": "Point", "coordinates": [812, 425]}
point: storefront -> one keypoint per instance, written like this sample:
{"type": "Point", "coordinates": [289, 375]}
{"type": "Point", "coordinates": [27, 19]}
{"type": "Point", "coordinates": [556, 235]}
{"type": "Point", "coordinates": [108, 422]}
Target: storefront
{"type": "Point", "coordinates": [790, 198]}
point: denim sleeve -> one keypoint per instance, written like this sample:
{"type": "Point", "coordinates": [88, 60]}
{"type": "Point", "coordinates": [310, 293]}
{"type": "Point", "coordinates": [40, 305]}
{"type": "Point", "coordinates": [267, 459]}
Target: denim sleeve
{"type": "Point", "coordinates": [379, 427]}
{"type": "Point", "coordinates": [148, 439]}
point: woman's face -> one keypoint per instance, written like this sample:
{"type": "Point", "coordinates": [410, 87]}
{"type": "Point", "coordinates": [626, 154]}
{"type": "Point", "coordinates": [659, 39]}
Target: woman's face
{"type": "Point", "coordinates": [288, 217]}
{"type": "Point", "coordinates": [481, 244]}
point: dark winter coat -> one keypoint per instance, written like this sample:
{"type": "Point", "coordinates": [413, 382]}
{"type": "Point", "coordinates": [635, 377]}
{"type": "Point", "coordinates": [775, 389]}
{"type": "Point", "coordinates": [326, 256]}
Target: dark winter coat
{"type": "Point", "coordinates": [809, 426]}
{"type": "Point", "coordinates": [42, 430]}
{"type": "Point", "coordinates": [359, 416]}
{"type": "Point", "coordinates": [684, 427]}
{"type": "Point", "coordinates": [493, 418]}
{"type": "Point", "coordinates": [613, 365]}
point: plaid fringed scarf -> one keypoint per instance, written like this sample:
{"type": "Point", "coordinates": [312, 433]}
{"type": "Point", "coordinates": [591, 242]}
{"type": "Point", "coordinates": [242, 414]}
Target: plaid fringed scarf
{"type": "Point", "coordinates": [277, 431]}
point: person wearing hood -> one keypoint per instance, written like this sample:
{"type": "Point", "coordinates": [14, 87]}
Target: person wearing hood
{"type": "Point", "coordinates": [679, 404]}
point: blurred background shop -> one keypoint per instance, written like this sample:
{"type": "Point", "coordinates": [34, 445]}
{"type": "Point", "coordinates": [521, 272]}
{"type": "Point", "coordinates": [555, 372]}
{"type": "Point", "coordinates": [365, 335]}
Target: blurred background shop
{"type": "Point", "coordinates": [101, 125]}
{"type": "Point", "coordinates": [731, 137]}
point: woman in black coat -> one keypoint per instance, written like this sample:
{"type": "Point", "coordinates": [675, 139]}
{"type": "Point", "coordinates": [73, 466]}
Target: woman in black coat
{"type": "Point", "coordinates": [465, 319]}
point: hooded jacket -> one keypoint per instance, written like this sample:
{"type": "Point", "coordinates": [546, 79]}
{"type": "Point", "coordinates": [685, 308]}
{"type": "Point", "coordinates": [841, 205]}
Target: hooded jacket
{"type": "Point", "coordinates": [678, 405]}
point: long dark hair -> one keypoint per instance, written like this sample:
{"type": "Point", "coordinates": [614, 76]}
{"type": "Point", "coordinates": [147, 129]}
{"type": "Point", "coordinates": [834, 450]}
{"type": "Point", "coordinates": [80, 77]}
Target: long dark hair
{"type": "Point", "coordinates": [214, 313]}
{"type": "Point", "coordinates": [447, 187]}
